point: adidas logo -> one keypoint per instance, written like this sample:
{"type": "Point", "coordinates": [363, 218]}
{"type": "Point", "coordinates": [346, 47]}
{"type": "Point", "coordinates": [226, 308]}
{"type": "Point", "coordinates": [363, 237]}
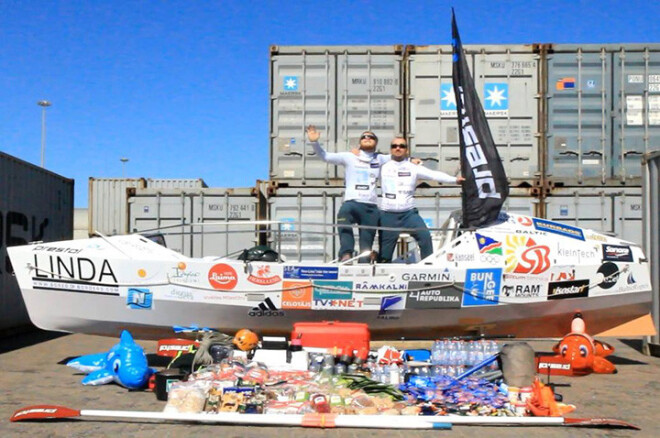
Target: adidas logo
{"type": "Point", "coordinates": [266, 308]}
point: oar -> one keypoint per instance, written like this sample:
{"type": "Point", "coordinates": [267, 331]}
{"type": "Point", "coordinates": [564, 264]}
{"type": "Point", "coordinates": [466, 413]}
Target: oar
{"type": "Point", "coordinates": [49, 412]}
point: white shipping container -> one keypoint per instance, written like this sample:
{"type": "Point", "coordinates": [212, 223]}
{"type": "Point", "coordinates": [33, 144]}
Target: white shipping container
{"type": "Point", "coordinates": [506, 79]}
{"type": "Point", "coordinates": [36, 205]}
{"type": "Point", "coordinates": [197, 222]}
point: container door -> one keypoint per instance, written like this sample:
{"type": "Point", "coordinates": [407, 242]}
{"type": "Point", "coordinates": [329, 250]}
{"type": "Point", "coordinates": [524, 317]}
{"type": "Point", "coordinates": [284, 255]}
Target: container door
{"type": "Point", "coordinates": [302, 93]}
{"type": "Point", "coordinates": [579, 123]}
{"type": "Point", "coordinates": [222, 233]}
{"type": "Point", "coordinates": [369, 95]}
{"type": "Point", "coordinates": [636, 97]}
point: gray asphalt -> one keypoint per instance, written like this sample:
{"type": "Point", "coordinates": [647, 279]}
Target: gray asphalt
{"type": "Point", "coordinates": [30, 374]}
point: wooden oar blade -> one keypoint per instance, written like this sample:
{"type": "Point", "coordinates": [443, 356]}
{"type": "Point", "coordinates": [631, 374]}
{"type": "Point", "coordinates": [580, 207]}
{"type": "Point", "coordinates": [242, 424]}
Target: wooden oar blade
{"type": "Point", "coordinates": [600, 422]}
{"type": "Point", "coordinates": [44, 412]}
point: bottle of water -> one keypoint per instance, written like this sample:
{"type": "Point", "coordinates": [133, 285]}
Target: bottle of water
{"type": "Point", "coordinates": [436, 351]}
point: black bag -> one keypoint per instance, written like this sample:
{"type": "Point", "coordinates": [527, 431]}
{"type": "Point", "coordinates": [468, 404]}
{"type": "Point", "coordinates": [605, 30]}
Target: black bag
{"type": "Point", "coordinates": [261, 253]}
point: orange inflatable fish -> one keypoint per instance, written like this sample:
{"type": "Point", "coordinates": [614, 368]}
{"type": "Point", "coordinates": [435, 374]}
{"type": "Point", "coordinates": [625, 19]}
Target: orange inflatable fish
{"type": "Point", "coordinates": [584, 354]}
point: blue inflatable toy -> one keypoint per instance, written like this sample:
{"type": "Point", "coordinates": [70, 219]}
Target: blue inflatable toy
{"type": "Point", "coordinates": [125, 364]}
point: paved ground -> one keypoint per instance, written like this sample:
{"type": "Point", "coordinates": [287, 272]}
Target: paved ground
{"type": "Point", "coordinates": [30, 374]}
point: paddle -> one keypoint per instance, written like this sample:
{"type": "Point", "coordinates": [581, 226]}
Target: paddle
{"type": "Point", "coordinates": [51, 412]}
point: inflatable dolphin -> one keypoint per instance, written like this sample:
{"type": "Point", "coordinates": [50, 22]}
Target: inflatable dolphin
{"type": "Point", "coordinates": [125, 363]}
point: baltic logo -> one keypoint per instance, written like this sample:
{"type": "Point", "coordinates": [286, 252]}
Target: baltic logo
{"type": "Point", "coordinates": [617, 253]}
{"type": "Point", "coordinates": [139, 298]}
{"type": "Point", "coordinates": [266, 308]}
{"type": "Point", "coordinates": [568, 289]}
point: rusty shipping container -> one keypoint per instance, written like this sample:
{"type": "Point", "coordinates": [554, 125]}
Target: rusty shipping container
{"type": "Point", "coordinates": [36, 205]}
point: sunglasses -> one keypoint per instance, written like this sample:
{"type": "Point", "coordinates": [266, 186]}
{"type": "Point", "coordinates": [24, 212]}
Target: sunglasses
{"type": "Point", "coordinates": [402, 146]}
{"type": "Point", "coordinates": [373, 137]}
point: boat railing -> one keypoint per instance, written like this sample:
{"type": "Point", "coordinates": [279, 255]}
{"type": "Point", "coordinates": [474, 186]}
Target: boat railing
{"type": "Point", "coordinates": [288, 238]}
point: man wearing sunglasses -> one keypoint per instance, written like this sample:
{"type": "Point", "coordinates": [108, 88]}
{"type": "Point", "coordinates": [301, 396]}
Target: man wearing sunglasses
{"type": "Point", "coordinates": [398, 181]}
{"type": "Point", "coordinates": [360, 199]}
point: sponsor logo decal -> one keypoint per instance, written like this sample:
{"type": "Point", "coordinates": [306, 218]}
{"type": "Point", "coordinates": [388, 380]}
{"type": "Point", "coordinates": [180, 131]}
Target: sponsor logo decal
{"type": "Point", "coordinates": [566, 274]}
{"type": "Point", "coordinates": [222, 277]}
{"type": "Point", "coordinates": [56, 249]}
{"type": "Point", "coordinates": [181, 275]}
{"type": "Point", "coordinates": [265, 308]}
{"type": "Point", "coordinates": [328, 290]}
{"type": "Point", "coordinates": [296, 295]}
{"type": "Point", "coordinates": [263, 276]}
{"type": "Point", "coordinates": [521, 290]}
{"type": "Point", "coordinates": [488, 245]}
{"type": "Point", "coordinates": [180, 294]}
{"type": "Point", "coordinates": [525, 256]}
{"type": "Point", "coordinates": [576, 253]}
{"type": "Point", "coordinates": [482, 287]}
{"type": "Point", "coordinates": [617, 253]}
{"type": "Point", "coordinates": [403, 173]}
{"type": "Point", "coordinates": [75, 286]}
{"type": "Point", "coordinates": [610, 273]}
{"type": "Point", "coordinates": [557, 228]}
{"type": "Point", "coordinates": [139, 298]}
{"type": "Point", "coordinates": [428, 276]}
{"type": "Point", "coordinates": [380, 286]}
{"type": "Point", "coordinates": [431, 298]}
{"type": "Point", "coordinates": [568, 289]}
{"type": "Point", "coordinates": [554, 366]}
{"type": "Point", "coordinates": [452, 257]}
{"type": "Point", "coordinates": [524, 221]}
{"type": "Point", "coordinates": [391, 307]}
{"type": "Point", "coordinates": [311, 272]}
{"type": "Point", "coordinates": [597, 237]}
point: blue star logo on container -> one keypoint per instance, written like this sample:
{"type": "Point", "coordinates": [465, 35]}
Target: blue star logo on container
{"type": "Point", "coordinates": [496, 96]}
{"type": "Point", "coordinates": [290, 83]}
{"type": "Point", "coordinates": [447, 97]}
{"type": "Point", "coordinates": [287, 224]}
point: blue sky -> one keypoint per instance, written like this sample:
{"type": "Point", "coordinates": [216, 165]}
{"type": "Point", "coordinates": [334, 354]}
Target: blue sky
{"type": "Point", "coordinates": [181, 87]}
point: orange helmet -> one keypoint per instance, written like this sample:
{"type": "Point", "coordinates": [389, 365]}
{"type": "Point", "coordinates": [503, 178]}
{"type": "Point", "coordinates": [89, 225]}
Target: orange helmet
{"type": "Point", "coordinates": [246, 340]}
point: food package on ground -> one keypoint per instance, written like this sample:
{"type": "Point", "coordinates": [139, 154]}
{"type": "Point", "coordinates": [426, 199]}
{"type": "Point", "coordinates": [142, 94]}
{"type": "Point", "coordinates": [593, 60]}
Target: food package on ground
{"type": "Point", "coordinates": [186, 398]}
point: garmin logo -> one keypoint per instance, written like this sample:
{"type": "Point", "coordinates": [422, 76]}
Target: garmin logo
{"type": "Point", "coordinates": [475, 156]}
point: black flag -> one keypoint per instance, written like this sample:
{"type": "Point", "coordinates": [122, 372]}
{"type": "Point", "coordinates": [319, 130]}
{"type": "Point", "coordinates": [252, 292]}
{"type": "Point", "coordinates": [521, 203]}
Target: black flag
{"type": "Point", "coordinates": [485, 187]}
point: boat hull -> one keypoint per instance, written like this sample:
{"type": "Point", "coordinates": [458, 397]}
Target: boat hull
{"type": "Point", "coordinates": [108, 316]}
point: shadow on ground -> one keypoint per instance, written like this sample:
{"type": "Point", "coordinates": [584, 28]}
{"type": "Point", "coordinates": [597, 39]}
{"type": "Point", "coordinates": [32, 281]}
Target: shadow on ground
{"type": "Point", "coordinates": [25, 339]}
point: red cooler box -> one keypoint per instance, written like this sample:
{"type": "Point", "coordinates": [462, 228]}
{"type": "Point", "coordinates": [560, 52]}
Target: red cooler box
{"type": "Point", "coordinates": [329, 334]}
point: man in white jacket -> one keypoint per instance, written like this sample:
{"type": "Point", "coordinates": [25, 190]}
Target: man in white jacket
{"type": "Point", "coordinates": [360, 199]}
{"type": "Point", "coordinates": [398, 179]}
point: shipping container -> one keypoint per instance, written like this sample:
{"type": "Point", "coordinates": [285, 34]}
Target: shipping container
{"type": "Point", "coordinates": [612, 210]}
{"type": "Point", "coordinates": [107, 201]}
{"type": "Point", "coordinates": [108, 198]}
{"type": "Point", "coordinates": [651, 235]}
{"type": "Point", "coordinates": [80, 223]}
{"type": "Point", "coordinates": [507, 81]}
{"type": "Point", "coordinates": [165, 183]}
{"type": "Point", "coordinates": [343, 91]}
{"type": "Point", "coordinates": [36, 205]}
{"type": "Point", "coordinates": [603, 111]}
{"type": "Point", "coordinates": [197, 222]}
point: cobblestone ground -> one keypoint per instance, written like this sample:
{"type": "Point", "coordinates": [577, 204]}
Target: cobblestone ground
{"type": "Point", "coordinates": [30, 374]}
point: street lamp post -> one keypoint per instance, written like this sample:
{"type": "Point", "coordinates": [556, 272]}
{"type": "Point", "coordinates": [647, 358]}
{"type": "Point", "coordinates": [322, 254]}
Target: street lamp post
{"type": "Point", "coordinates": [43, 104]}
{"type": "Point", "coordinates": [123, 160]}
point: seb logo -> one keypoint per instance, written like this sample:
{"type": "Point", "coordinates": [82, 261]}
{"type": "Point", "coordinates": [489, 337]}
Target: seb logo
{"type": "Point", "coordinates": [525, 256]}
{"type": "Point", "coordinates": [222, 277]}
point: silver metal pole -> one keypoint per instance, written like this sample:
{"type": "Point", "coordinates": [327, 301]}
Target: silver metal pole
{"type": "Point", "coordinates": [43, 104]}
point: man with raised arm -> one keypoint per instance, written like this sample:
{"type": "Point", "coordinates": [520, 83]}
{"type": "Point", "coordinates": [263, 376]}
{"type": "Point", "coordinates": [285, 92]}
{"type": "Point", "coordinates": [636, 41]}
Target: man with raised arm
{"type": "Point", "coordinates": [360, 199]}
{"type": "Point", "coordinates": [398, 180]}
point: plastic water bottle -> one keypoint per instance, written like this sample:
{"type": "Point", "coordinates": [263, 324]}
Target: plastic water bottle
{"type": "Point", "coordinates": [435, 353]}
